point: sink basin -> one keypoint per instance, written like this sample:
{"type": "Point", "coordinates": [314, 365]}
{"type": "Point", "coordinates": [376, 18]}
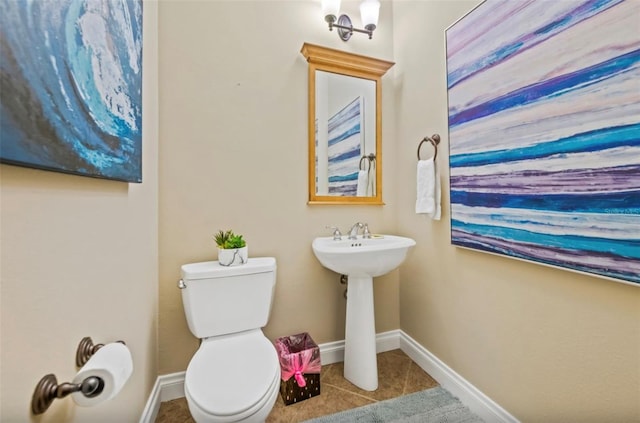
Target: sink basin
{"type": "Point", "coordinates": [372, 256]}
{"type": "Point", "coordinates": [361, 260]}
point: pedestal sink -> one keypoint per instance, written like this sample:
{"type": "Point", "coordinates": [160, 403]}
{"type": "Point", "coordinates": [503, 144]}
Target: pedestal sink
{"type": "Point", "coordinates": [361, 260]}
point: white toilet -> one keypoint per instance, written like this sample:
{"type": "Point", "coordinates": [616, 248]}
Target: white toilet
{"type": "Point", "coordinates": [235, 374]}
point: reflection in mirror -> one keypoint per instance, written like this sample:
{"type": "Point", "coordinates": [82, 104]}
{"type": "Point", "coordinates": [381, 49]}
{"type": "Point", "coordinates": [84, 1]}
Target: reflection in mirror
{"type": "Point", "coordinates": [345, 154]}
{"type": "Point", "coordinates": [345, 135]}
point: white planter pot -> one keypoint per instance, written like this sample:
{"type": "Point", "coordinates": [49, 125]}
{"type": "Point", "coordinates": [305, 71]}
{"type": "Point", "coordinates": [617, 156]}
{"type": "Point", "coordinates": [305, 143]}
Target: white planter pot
{"type": "Point", "coordinates": [233, 257]}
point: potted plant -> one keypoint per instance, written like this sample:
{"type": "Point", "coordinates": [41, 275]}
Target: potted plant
{"type": "Point", "coordinates": [232, 249]}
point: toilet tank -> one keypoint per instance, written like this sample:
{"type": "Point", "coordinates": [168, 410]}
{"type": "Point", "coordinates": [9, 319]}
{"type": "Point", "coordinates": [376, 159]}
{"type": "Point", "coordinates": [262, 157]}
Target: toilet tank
{"type": "Point", "coordinates": [219, 300]}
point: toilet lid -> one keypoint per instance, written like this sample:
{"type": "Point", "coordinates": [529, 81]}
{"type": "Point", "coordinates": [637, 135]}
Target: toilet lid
{"type": "Point", "coordinates": [230, 374]}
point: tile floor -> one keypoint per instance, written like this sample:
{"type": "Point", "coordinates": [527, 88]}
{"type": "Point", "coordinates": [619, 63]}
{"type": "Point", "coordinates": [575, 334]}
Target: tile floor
{"type": "Point", "coordinates": [397, 375]}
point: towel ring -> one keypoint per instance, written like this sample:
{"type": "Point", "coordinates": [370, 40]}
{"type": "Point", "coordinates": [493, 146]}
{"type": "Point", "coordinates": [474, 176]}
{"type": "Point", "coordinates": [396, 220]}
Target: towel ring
{"type": "Point", "coordinates": [371, 157]}
{"type": "Point", "coordinates": [435, 140]}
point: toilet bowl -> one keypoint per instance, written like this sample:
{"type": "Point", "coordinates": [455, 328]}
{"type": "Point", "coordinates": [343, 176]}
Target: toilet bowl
{"type": "Point", "coordinates": [234, 376]}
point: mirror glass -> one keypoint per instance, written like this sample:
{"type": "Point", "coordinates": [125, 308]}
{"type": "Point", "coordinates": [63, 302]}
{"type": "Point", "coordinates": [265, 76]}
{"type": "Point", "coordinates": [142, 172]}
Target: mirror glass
{"type": "Point", "coordinates": [345, 140]}
{"type": "Point", "coordinates": [345, 135]}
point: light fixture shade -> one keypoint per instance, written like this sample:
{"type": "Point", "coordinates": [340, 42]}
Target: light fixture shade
{"type": "Point", "coordinates": [369, 12]}
{"type": "Point", "coordinates": [330, 7]}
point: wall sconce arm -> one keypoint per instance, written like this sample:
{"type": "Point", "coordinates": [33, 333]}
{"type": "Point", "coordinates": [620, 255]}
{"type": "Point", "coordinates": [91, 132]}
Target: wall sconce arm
{"type": "Point", "coordinates": [346, 28]}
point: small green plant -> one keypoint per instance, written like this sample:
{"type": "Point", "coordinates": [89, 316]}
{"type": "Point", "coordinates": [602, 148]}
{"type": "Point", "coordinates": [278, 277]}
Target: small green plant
{"type": "Point", "coordinates": [228, 240]}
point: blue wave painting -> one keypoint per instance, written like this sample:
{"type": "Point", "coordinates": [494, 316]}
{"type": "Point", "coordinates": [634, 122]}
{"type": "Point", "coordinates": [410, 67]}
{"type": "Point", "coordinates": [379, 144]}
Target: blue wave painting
{"type": "Point", "coordinates": [344, 149]}
{"type": "Point", "coordinates": [544, 133]}
{"type": "Point", "coordinates": [71, 86]}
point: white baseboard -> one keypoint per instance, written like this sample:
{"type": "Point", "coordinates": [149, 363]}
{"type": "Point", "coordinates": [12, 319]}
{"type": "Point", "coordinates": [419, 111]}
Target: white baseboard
{"type": "Point", "coordinates": [333, 352]}
{"type": "Point", "coordinates": [150, 411]}
{"type": "Point", "coordinates": [468, 394]}
{"type": "Point", "coordinates": [167, 388]}
{"type": "Point", "coordinates": [171, 386]}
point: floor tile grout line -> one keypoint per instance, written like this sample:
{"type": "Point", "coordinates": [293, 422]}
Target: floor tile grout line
{"type": "Point", "coordinates": [406, 379]}
{"type": "Point", "coordinates": [351, 392]}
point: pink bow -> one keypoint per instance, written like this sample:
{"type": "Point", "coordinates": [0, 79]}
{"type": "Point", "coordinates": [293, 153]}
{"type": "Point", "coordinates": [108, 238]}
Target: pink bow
{"type": "Point", "coordinates": [300, 379]}
{"type": "Point", "coordinates": [297, 364]}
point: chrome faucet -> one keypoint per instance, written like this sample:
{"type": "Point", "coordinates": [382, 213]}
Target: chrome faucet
{"type": "Point", "coordinates": [353, 232]}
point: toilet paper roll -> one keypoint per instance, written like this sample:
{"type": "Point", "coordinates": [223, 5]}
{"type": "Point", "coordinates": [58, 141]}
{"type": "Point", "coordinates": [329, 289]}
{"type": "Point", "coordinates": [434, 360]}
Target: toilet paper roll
{"type": "Point", "coordinates": [113, 364]}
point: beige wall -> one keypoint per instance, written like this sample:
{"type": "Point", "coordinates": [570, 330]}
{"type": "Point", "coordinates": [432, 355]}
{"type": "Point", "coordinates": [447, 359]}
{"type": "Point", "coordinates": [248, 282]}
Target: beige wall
{"type": "Point", "coordinates": [79, 258]}
{"type": "Point", "coordinates": [546, 344]}
{"type": "Point", "coordinates": [233, 154]}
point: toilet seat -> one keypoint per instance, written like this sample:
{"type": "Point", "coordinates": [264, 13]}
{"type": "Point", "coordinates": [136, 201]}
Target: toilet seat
{"type": "Point", "coordinates": [232, 377]}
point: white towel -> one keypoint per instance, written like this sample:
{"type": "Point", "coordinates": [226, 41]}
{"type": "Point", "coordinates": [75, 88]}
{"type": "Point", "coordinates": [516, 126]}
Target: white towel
{"type": "Point", "coordinates": [428, 193]}
{"type": "Point", "coordinates": [363, 183]}
{"type": "Point", "coordinates": [371, 186]}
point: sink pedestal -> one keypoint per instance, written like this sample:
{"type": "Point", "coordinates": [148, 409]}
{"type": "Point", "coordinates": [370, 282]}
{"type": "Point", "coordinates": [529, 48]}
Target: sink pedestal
{"type": "Point", "coordinates": [361, 259]}
{"type": "Point", "coordinates": [360, 362]}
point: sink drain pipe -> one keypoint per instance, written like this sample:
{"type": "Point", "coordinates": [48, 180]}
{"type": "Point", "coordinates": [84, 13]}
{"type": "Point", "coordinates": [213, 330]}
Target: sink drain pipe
{"type": "Point", "coordinates": [344, 280]}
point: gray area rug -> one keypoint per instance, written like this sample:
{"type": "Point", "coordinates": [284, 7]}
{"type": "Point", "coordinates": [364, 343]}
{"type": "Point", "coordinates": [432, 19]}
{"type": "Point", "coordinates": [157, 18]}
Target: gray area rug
{"type": "Point", "coordinates": [432, 405]}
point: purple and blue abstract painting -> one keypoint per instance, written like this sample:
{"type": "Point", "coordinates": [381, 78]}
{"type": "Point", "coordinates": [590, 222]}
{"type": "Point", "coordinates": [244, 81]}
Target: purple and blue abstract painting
{"type": "Point", "coordinates": [71, 86]}
{"type": "Point", "coordinates": [344, 149]}
{"type": "Point", "coordinates": [544, 133]}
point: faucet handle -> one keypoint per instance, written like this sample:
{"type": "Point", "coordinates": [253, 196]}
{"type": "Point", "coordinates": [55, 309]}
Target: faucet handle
{"type": "Point", "coordinates": [365, 231]}
{"type": "Point", "coordinates": [337, 236]}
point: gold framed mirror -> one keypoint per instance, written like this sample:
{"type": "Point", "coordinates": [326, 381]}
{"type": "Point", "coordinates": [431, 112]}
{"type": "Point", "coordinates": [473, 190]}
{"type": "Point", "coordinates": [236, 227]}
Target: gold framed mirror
{"type": "Point", "coordinates": [345, 126]}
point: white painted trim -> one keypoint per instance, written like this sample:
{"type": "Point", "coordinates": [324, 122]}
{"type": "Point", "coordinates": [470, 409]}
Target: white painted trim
{"type": "Point", "coordinates": [333, 352]}
{"type": "Point", "coordinates": [150, 411]}
{"type": "Point", "coordinates": [167, 388]}
{"type": "Point", "coordinates": [468, 394]}
{"type": "Point", "coordinates": [387, 341]}
{"type": "Point", "coordinates": [171, 386]}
